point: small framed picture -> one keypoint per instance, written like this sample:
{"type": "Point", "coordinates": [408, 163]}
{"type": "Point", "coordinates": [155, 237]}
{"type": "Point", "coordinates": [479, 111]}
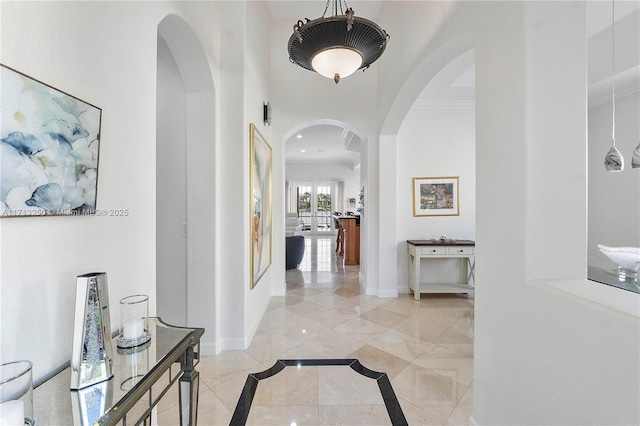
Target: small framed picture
{"type": "Point", "coordinates": [436, 196]}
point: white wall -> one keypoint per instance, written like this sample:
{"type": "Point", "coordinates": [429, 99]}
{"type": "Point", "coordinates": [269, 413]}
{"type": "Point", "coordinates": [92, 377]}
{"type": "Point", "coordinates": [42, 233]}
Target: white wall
{"type": "Point", "coordinates": [114, 68]}
{"type": "Point", "coordinates": [542, 355]}
{"type": "Point", "coordinates": [614, 198]}
{"type": "Point", "coordinates": [58, 43]}
{"type": "Point", "coordinates": [244, 86]}
{"type": "Point", "coordinates": [545, 337]}
{"type": "Point", "coordinates": [435, 143]}
{"type": "Point", "coordinates": [171, 191]}
{"type": "Point", "coordinates": [257, 78]}
{"type": "Point", "coordinates": [234, 191]}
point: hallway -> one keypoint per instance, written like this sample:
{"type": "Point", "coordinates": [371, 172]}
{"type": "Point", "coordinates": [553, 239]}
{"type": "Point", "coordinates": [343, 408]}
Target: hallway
{"type": "Point", "coordinates": [425, 347]}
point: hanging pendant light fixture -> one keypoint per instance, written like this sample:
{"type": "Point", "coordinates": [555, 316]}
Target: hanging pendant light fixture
{"type": "Point", "coordinates": [339, 45]}
{"type": "Point", "coordinates": [613, 161]}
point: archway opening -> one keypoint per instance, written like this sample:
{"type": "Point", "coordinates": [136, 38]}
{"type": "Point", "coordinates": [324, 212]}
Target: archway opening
{"type": "Point", "coordinates": [185, 182]}
{"type": "Point", "coordinates": [325, 161]}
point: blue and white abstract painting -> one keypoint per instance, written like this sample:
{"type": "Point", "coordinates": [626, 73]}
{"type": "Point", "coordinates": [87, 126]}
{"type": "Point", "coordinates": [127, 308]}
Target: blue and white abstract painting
{"type": "Point", "coordinates": [49, 145]}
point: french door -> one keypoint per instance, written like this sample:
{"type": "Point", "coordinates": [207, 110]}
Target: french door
{"type": "Point", "coordinates": [314, 204]}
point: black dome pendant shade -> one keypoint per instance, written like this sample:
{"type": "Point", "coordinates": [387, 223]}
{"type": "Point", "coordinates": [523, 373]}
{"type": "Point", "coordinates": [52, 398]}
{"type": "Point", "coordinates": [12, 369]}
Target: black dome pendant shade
{"type": "Point", "coordinates": [356, 40]}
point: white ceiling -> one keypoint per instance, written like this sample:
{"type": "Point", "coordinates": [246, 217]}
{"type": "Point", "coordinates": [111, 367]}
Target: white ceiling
{"type": "Point", "coordinates": [324, 143]}
{"type": "Point", "coordinates": [312, 9]}
{"type": "Point", "coordinates": [454, 84]}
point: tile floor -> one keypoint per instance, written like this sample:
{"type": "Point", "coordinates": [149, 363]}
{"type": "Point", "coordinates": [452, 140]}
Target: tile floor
{"type": "Point", "coordinates": [425, 347]}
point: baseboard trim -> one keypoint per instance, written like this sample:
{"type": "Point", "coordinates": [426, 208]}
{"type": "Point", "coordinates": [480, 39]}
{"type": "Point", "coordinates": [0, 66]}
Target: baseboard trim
{"type": "Point", "coordinates": [282, 291]}
{"type": "Point", "coordinates": [234, 344]}
{"type": "Point", "coordinates": [403, 289]}
{"type": "Point", "coordinates": [370, 291]}
{"type": "Point", "coordinates": [254, 327]}
{"type": "Point", "coordinates": [208, 349]}
{"type": "Point", "coordinates": [391, 293]}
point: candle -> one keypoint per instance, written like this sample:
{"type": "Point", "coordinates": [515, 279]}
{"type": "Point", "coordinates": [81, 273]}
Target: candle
{"type": "Point", "coordinates": [12, 413]}
{"type": "Point", "coordinates": [133, 329]}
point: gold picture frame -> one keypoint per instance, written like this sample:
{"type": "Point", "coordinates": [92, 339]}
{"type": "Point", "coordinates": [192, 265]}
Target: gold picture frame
{"type": "Point", "coordinates": [436, 196]}
{"type": "Point", "coordinates": [261, 205]}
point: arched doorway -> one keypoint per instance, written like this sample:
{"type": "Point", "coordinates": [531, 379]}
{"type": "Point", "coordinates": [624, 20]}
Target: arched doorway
{"type": "Point", "coordinates": [323, 171]}
{"type": "Point", "coordinates": [344, 177]}
{"type": "Point", "coordinates": [432, 63]}
{"type": "Point", "coordinates": [185, 182]}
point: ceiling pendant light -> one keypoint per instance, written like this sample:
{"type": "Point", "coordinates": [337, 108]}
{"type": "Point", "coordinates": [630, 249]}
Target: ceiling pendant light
{"type": "Point", "coordinates": [339, 45]}
{"type": "Point", "coordinates": [613, 161]}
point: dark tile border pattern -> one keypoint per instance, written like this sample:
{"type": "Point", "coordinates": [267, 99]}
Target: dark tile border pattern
{"type": "Point", "coordinates": [394, 410]}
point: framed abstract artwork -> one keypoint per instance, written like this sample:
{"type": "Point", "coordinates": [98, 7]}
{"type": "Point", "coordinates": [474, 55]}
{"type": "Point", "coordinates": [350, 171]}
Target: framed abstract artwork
{"type": "Point", "coordinates": [436, 196]}
{"type": "Point", "coordinates": [49, 147]}
{"type": "Point", "coordinates": [261, 205]}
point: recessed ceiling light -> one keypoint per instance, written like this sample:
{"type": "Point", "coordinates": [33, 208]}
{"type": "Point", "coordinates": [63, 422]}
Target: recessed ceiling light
{"type": "Point", "coordinates": [299, 136]}
{"type": "Point", "coordinates": [304, 150]}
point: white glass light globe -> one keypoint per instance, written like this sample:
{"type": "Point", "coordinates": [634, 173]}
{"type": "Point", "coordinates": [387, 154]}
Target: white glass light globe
{"type": "Point", "coordinates": [339, 60]}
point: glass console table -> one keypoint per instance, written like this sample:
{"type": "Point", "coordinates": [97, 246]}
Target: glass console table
{"type": "Point", "coordinates": [141, 376]}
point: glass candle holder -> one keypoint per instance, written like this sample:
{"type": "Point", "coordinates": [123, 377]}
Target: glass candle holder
{"type": "Point", "coordinates": [16, 393]}
{"type": "Point", "coordinates": [134, 314]}
{"type": "Point", "coordinates": [134, 365]}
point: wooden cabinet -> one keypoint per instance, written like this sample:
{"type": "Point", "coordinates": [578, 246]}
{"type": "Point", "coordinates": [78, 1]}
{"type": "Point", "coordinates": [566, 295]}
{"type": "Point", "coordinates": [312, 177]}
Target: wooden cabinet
{"type": "Point", "coordinates": [351, 239]}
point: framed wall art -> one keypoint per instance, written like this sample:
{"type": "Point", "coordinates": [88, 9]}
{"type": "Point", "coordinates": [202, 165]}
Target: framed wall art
{"type": "Point", "coordinates": [436, 196]}
{"type": "Point", "coordinates": [261, 205]}
{"type": "Point", "coordinates": [49, 142]}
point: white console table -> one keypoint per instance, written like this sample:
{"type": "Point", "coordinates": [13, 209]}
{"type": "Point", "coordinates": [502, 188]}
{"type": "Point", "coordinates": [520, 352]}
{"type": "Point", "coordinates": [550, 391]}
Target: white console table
{"type": "Point", "coordinates": [428, 249]}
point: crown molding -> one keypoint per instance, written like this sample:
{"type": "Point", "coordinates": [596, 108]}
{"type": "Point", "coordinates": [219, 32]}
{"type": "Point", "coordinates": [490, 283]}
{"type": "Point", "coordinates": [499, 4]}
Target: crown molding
{"type": "Point", "coordinates": [621, 92]}
{"type": "Point", "coordinates": [349, 164]}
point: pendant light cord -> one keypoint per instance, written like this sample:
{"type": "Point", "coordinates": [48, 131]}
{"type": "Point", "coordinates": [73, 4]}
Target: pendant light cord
{"type": "Point", "coordinates": [326, 7]}
{"type": "Point", "coordinates": [613, 72]}
{"type": "Point", "coordinates": [334, 6]}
